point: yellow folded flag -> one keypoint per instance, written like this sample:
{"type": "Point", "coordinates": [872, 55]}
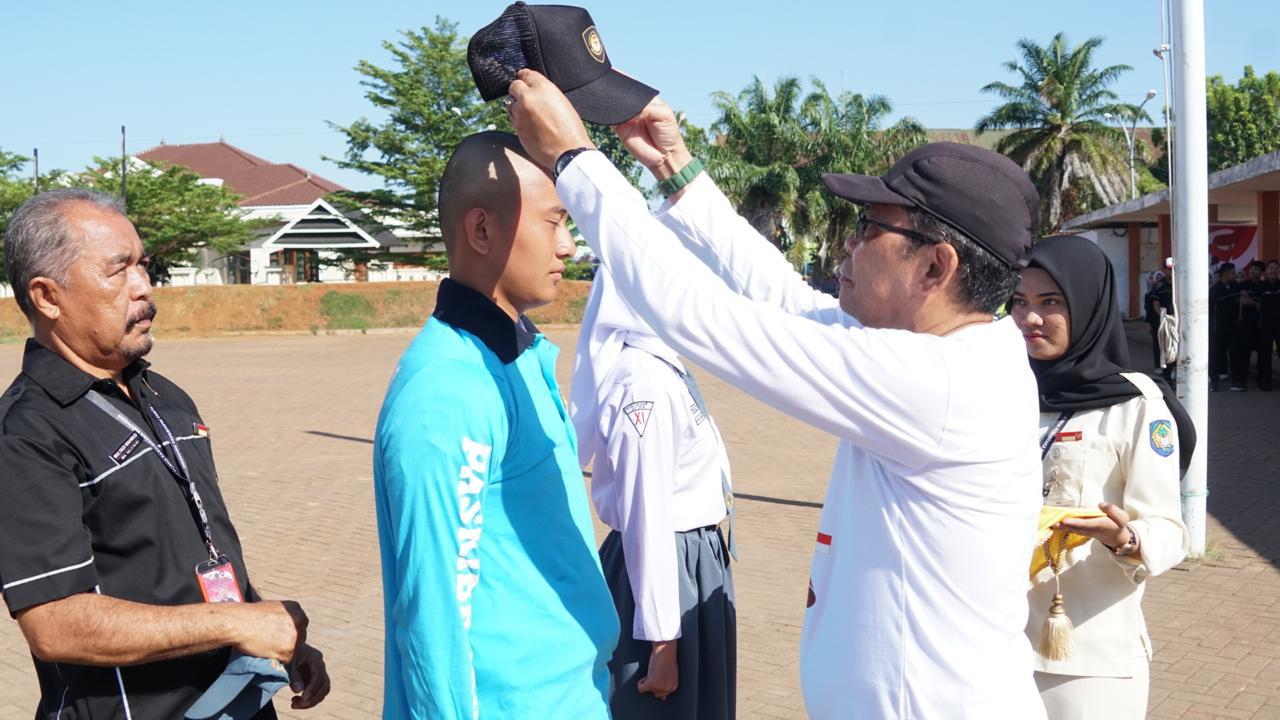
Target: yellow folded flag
{"type": "Point", "coordinates": [1055, 538]}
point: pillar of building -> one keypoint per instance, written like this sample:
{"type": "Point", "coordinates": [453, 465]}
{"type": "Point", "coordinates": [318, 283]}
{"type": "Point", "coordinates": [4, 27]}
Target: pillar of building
{"type": "Point", "coordinates": [1164, 228]}
{"type": "Point", "coordinates": [1269, 225]}
{"type": "Point", "coordinates": [1136, 285]}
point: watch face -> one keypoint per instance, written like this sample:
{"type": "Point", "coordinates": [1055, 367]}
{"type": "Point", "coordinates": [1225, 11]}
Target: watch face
{"type": "Point", "coordinates": [565, 158]}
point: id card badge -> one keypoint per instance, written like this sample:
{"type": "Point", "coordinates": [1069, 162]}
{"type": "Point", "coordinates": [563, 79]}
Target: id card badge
{"type": "Point", "coordinates": [217, 580]}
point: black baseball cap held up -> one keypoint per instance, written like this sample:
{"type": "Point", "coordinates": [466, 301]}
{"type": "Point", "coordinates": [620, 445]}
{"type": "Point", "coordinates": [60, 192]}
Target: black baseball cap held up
{"type": "Point", "coordinates": [561, 42]}
{"type": "Point", "coordinates": [981, 193]}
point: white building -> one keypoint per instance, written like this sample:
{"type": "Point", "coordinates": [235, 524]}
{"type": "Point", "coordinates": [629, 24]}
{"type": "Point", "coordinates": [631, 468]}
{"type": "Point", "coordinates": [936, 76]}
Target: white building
{"type": "Point", "coordinates": [307, 232]}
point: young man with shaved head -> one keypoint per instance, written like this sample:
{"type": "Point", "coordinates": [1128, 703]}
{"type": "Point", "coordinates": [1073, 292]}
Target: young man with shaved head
{"type": "Point", "coordinates": [495, 602]}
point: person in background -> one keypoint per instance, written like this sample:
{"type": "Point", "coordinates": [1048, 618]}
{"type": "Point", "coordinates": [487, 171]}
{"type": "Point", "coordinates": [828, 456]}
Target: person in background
{"type": "Point", "coordinates": [1247, 335]}
{"type": "Point", "coordinates": [1110, 440]}
{"type": "Point", "coordinates": [1159, 297]}
{"type": "Point", "coordinates": [1268, 324]}
{"type": "Point", "coordinates": [1224, 314]}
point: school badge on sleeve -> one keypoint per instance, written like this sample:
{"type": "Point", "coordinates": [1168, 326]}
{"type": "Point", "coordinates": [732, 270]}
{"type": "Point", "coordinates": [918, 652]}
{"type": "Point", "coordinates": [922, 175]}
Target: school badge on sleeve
{"type": "Point", "coordinates": [638, 413]}
{"type": "Point", "coordinates": [1162, 437]}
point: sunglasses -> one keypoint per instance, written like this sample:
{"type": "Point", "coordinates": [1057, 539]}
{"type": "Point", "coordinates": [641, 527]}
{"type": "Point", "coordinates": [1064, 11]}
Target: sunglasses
{"type": "Point", "coordinates": [860, 230]}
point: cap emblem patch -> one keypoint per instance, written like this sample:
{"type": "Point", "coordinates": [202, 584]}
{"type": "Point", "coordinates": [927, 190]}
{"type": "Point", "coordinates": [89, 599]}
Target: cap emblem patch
{"type": "Point", "coordinates": [595, 46]}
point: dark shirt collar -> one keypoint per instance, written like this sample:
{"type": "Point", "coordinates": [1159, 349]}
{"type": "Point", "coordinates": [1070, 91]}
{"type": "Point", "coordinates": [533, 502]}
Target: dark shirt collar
{"type": "Point", "coordinates": [469, 310]}
{"type": "Point", "coordinates": [63, 381]}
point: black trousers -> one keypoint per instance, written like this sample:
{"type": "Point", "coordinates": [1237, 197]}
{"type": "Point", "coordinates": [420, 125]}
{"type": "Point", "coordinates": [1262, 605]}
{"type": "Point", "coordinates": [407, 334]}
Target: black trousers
{"type": "Point", "coordinates": [1243, 343]}
{"type": "Point", "coordinates": [1219, 345]}
{"type": "Point", "coordinates": [1268, 335]}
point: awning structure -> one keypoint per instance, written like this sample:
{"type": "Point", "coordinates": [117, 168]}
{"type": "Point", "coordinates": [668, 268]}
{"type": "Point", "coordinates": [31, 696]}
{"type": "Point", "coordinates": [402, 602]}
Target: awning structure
{"type": "Point", "coordinates": [1244, 194]}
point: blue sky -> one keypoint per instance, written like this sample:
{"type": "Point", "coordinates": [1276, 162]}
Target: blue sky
{"type": "Point", "coordinates": [266, 75]}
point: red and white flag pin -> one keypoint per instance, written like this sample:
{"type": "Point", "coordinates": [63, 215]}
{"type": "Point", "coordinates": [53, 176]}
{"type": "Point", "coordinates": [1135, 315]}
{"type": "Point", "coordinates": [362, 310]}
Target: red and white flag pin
{"type": "Point", "coordinates": [824, 543]}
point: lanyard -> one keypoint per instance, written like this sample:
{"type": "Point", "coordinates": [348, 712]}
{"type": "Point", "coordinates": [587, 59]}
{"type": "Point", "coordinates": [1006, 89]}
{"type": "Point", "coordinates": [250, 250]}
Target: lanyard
{"type": "Point", "coordinates": [725, 488]}
{"type": "Point", "coordinates": [179, 471]}
{"type": "Point", "coordinates": [1050, 437]}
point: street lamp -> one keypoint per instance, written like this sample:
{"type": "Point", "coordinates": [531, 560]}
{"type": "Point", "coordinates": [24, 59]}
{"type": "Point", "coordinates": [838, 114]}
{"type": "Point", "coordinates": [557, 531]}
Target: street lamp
{"type": "Point", "coordinates": [1130, 133]}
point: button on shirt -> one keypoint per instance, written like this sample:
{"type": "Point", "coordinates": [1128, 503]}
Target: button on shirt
{"type": "Point", "coordinates": [660, 474]}
{"type": "Point", "coordinates": [89, 508]}
{"type": "Point", "coordinates": [918, 594]}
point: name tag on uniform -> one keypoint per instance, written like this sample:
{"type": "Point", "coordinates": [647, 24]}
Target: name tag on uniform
{"type": "Point", "coordinates": [217, 580]}
{"type": "Point", "coordinates": [126, 448]}
{"type": "Point", "coordinates": [1073, 436]}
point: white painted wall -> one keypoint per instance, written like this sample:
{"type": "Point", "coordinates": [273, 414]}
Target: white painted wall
{"type": "Point", "coordinates": [1116, 248]}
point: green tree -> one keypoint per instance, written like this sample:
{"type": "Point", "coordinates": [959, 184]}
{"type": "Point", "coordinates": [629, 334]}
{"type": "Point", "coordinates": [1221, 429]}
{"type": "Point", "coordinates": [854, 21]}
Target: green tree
{"type": "Point", "coordinates": [847, 134]}
{"type": "Point", "coordinates": [1243, 119]}
{"type": "Point", "coordinates": [429, 103]}
{"type": "Point", "coordinates": [762, 141]}
{"type": "Point", "coordinates": [175, 214]}
{"type": "Point", "coordinates": [13, 191]}
{"type": "Point", "coordinates": [1060, 135]}
{"type": "Point", "coordinates": [775, 145]}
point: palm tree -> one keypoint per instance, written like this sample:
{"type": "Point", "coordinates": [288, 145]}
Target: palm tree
{"type": "Point", "coordinates": [1060, 135]}
{"type": "Point", "coordinates": [846, 135]}
{"type": "Point", "coordinates": [762, 142]}
{"type": "Point", "coordinates": [775, 145]}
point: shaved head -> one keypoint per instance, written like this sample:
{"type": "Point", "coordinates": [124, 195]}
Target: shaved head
{"type": "Point", "coordinates": [505, 230]}
{"type": "Point", "coordinates": [487, 170]}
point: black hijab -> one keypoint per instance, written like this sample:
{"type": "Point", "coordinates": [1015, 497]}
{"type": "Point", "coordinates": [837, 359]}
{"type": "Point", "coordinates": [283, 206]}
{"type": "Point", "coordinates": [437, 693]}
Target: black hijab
{"type": "Point", "coordinates": [1088, 376]}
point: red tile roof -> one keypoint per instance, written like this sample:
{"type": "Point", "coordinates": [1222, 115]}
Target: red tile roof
{"type": "Point", "coordinates": [259, 181]}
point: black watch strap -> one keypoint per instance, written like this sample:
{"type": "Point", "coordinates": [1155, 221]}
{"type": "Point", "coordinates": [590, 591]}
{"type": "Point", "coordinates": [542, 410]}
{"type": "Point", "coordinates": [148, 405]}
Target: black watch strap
{"type": "Point", "coordinates": [565, 158]}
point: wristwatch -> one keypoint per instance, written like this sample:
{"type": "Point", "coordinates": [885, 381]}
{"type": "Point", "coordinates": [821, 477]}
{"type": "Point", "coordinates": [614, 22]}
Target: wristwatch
{"type": "Point", "coordinates": [1129, 547]}
{"type": "Point", "coordinates": [565, 158]}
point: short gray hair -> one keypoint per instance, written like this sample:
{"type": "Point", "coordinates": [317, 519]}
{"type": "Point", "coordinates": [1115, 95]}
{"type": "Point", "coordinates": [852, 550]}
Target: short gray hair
{"type": "Point", "coordinates": [39, 243]}
{"type": "Point", "coordinates": [984, 283]}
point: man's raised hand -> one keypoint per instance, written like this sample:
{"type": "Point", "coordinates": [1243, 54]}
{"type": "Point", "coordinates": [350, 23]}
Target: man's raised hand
{"type": "Point", "coordinates": [543, 118]}
{"type": "Point", "coordinates": [653, 139]}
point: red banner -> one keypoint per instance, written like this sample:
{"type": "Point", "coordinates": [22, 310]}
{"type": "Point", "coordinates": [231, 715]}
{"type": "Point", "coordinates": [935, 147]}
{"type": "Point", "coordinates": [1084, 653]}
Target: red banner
{"type": "Point", "coordinates": [1234, 244]}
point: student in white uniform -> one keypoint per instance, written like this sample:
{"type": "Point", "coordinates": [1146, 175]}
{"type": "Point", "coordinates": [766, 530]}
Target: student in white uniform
{"type": "Point", "coordinates": [917, 601]}
{"type": "Point", "coordinates": [1111, 441]}
{"type": "Point", "coordinates": [660, 481]}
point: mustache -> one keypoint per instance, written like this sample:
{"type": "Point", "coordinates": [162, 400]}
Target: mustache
{"type": "Point", "coordinates": [147, 313]}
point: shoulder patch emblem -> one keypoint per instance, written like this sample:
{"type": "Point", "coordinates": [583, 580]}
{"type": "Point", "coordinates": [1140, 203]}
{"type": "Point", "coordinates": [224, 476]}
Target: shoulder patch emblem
{"type": "Point", "coordinates": [638, 413]}
{"type": "Point", "coordinates": [1162, 437]}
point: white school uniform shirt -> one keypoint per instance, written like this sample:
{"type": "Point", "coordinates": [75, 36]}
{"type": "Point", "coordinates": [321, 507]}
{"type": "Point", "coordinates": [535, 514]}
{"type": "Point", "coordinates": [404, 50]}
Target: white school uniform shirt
{"type": "Point", "coordinates": [1127, 455]}
{"type": "Point", "coordinates": [660, 473]}
{"type": "Point", "coordinates": [919, 574]}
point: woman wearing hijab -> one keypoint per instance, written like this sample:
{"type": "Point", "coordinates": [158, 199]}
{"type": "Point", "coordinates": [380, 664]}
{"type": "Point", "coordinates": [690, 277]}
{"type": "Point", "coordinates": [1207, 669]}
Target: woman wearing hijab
{"type": "Point", "coordinates": [660, 481]}
{"type": "Point", "coordinates": [1110, 440]}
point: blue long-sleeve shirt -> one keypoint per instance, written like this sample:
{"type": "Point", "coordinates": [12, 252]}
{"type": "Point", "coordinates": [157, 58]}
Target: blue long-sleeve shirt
{"type": "Point", "coordinates": [495, 603]}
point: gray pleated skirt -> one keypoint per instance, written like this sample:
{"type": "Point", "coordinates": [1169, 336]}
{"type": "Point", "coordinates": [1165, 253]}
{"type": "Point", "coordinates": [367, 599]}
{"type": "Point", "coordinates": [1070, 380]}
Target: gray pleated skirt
{"type": "Point", "coordinates": [707, 651]}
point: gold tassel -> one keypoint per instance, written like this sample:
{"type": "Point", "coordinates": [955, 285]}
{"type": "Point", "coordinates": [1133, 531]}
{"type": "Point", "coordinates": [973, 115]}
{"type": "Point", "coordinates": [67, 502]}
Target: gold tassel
{"type": "Point", "coordinates": [1055, 636]}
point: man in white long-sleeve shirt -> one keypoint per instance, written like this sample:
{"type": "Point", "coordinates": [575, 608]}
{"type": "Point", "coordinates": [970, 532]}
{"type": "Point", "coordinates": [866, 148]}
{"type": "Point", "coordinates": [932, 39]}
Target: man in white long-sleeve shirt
{"type": "Point", "coordinates": [917, 595]}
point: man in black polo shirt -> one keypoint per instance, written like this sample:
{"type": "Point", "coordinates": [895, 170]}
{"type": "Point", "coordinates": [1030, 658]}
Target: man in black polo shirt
{"type": "Point", "coordinates": [117, 556]}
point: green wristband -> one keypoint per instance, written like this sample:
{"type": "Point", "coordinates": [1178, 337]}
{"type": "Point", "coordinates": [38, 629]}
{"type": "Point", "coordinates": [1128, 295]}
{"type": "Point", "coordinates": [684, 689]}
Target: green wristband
{"type": "Point", "coordinates": [676, 182]}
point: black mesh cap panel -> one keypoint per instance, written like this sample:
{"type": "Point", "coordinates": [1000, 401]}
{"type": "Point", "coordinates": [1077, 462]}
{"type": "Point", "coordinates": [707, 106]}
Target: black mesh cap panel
{"type": "Point", "coordinates": [501, 49]}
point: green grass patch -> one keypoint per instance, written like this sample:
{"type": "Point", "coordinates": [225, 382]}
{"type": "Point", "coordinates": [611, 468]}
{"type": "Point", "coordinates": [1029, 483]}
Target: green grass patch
{"type": "Point", "coordinates": [347, 311]}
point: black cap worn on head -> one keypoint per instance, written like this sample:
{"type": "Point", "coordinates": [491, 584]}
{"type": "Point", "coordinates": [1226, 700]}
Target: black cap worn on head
{"type": "Point", "coordinates": [561, 42]}
{"type": "Point", "coordinates": [981, 193]}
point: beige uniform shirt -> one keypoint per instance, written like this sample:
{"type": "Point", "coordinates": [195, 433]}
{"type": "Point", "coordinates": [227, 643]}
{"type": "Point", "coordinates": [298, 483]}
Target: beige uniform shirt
{"type": "Point", "coordinates": [1127, 455]}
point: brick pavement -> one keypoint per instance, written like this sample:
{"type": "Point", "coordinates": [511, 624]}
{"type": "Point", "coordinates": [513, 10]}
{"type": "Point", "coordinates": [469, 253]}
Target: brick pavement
{"type": "Point", "coordinates": [292, 416]}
